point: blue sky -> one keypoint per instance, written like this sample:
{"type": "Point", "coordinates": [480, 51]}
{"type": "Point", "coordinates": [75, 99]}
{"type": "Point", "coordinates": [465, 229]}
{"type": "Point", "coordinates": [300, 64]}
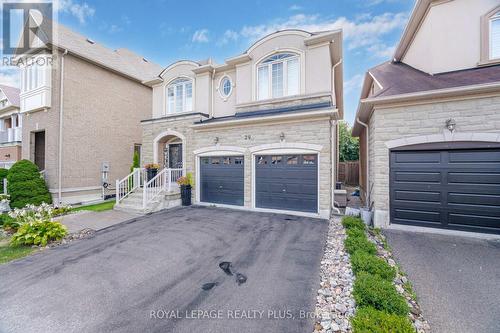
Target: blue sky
{"type": "Point", "coordinates": [165, 31]}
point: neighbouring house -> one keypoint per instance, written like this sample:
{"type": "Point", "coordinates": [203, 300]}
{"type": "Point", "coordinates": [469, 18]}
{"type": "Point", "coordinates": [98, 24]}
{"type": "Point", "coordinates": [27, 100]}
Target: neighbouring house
{"type": "Point", "coordinates": [257, 132]}
{"type": "Point", "coordinates": [82, 104]}
{"type": "Point", "coordinates": [10, 126]}
{"type": "Point", "coordinates": [429, 121]}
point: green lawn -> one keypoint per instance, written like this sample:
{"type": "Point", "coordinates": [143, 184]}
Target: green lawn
{"type": "Point", "coordinates": [100, 207]}
{"type": "Point", "coordinates": [8, 253]}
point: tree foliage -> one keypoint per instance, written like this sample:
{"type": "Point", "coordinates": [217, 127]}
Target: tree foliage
{"type": "Point", "coordinates": [348, 145]}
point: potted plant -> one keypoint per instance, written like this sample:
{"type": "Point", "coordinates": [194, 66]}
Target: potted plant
{"type": "Point", "coordinates": [152, 170]}
{"type": "Point", "coordinates": [186, 184]}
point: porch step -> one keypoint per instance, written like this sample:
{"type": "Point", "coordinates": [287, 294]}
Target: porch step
{"type": "Point", "coordinates": [133, 202]}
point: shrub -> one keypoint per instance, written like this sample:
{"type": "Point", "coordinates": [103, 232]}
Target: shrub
{"type": "Point", "coordinates": [8, 223]}
{"type": "Point", "coordinates": [38, 233]}
{"type": "Point", "coordinates": [135, 162]}
{"type": "Point", "coordinates": [355, 232]}
{"type": "Point", "coordinates": [364, 262]}
{"type": "Point", "coordinates": [360, 243]}
{"type": "Point", "coordinates": [26, 186]}
{"type": "Point", "coordinates": [32, 213]}
{"type": "Point", "coordinates": [3, 175]}
{"type": "Point", "coordinates": [351, 222]}
{"type": "Point", "coordinates": [369, 320]}
{"type": "Point", "coordinates": [372, 290]}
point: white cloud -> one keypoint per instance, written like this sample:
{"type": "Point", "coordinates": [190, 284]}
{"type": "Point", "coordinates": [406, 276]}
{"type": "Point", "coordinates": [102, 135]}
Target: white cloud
{"type": "Point", "coordinates": [353, 84]}
{"type": "Point", "coordinates": [82, 11]}
{"type": "Point", "coordinates": [9, 76]}
{"type": "Point", "coordinates": [365, 30]}
{"type": "Point", "coordinates": [378, 2]}
{"type": "Point", "coordinates": [382, 50]}
{"type": "Point", "coordinates": [295, 7]}
{"type": "Point", "coordinates": [229, 36]}
{"type": "Point", "coordinates": [200, 36]}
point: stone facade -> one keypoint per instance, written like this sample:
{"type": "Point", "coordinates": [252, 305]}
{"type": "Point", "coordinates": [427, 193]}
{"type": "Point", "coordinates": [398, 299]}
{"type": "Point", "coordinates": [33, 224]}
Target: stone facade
{"type": "Point", "coordinates": [477, 118]}
{"type": "Point", "coordinates": [245, 137]}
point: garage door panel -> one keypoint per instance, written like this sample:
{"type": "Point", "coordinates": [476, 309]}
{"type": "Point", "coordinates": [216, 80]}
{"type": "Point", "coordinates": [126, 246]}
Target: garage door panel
{"type": "Point", "coordinates": [418, 177]}
{"type": "Point", "coordinates": [461, 192]}
{"type": "Point", "coordinates": [417, 196]}
{"type": "Point", "coordinates": [416, 157]}
{"type": "Point", "coordinates": [286, 182]}
{"type": "Point", "coordinates": [221, 179]}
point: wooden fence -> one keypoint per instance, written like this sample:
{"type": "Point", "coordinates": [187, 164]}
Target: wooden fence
{"type": "Point", "coordinates": [349, 173]}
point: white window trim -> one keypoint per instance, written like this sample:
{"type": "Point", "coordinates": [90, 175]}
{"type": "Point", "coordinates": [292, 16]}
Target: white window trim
{"type": "Point", "coordinates": [221, 91]}
{"type": "Point", "coordinates": [485, 52]}
{"type": "Point", "coordinates": [168, 85]}
{"type": "Point", "coordinates": [300, 54]}
{"type": "Point", "coordinates": [495, 17]}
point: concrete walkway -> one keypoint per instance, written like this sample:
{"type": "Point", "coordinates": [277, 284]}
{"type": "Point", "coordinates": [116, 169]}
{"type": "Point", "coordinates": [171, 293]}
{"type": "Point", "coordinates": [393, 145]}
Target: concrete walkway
{"type": "Point", "coordinates": [94, 220]}
{"type": "Point", "coordinates": [456, 279]}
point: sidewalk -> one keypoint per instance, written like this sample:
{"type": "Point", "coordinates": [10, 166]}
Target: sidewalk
{"type": "Point", "coordinates": [94, 220]}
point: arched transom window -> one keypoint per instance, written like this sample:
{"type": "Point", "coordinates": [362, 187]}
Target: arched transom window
{"type": "Point", "coordinates": [494, 37]}
{"type": "Point", "coordinates": [278, 76]}
{"type": "Point", "coordinates": [180, 95]}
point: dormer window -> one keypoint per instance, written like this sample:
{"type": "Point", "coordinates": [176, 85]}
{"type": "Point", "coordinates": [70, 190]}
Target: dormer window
{"type": "Point", "coordinates": [278, 76]}
{"type": "Point", "coordinates": [494, 36]}
{"type": "Point", "coordinates": [180, 96]}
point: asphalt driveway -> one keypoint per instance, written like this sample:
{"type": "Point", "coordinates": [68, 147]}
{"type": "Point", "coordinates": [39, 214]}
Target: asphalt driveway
{"type": "Point", "coordinates": [457, 279]}
{"type": "Point", "coordinates": [161, 273]}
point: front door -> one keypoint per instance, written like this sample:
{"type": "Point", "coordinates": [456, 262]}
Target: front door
{"type": "Point", "coordinates": [173, 156]}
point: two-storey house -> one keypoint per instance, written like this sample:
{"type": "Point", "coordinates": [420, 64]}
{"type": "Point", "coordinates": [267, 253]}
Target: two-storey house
{"type": "Point", "coordinates": [82, 104]}
{"type": "Point", "coordinates": [257, 132]}
{"type": "Point", "coordinates": [10, 126]}
{"type": "Point", "coordinates": [429, 121]}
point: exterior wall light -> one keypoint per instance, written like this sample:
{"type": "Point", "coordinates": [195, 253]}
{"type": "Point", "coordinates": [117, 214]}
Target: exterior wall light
{"type": "Point", "coordinates": [451, 124]}
{"type": "Point", "coordinates": [216, 140]}
{"type": "Point", "coordinates": [282, 136]}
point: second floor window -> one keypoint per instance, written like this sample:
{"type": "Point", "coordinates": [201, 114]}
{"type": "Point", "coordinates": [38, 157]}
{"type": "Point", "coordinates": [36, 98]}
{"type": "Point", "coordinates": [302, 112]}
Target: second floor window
{"type": "Point", "coordinates": [180, 95]}
{"type": "Point", "coordinates": [495, 36]}
{"type": "Point", "coordinates": [278, 76]}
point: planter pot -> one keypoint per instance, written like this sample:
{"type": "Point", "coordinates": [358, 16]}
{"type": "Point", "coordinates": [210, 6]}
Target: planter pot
{"type": "Point", "coordinates": [186, 195]}
{"type": "Point", "coordinates": [4, 206]}
{"type": "Point", "coordinates": [151, 173]}
{"type": "Point", "coordinates": [366, 216]}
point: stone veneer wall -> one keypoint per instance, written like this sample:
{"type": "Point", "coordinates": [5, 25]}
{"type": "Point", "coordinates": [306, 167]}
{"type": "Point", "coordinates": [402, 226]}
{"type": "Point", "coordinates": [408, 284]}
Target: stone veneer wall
{"type": "Point", "coordinates": [309, 132]}
{"type": "Point", "coordinates": [410, 123]}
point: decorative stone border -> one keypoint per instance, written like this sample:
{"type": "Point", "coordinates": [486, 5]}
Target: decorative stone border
{"type": "Point", "coordinates": [334, 302]}
{"type": "Point", "coordinates": [403, 286]}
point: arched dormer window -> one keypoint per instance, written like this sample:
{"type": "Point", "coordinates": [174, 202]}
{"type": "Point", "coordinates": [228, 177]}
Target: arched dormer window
{"type": "Point", "coordinates": [180, 95]}
{"type": "Point", "coordinates": [494, 36]}
{"type": "Point", "coordinates": [278, 76]}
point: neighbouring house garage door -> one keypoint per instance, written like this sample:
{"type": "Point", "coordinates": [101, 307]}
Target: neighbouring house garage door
{"type": "Point", "coordinates": [222, 180]}
{"type": "Point", "coordinates": [447, 188]}
{"type": "Point", "coordinates": [287, 182]}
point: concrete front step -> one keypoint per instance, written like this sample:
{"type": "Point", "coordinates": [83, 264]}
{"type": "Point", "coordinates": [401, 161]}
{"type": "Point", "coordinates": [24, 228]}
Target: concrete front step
{"type": "Point", "coordinates": [133, 202]}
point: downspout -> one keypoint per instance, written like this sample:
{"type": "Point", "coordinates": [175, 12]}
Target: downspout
{"type": "Point", "coordinates": [212, 95]}
{"type": "Point", "coordinates": [61, 109]}
{"type": "Point", "coordinates": [367, 190]}
{"type": "Point", "coordinates": [333, 124]}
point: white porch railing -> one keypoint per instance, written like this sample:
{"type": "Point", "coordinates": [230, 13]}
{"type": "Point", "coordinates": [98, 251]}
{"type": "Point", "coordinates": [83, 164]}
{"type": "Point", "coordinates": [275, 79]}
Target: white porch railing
{"type": "Point", "coordinates": [163, 182]}
{"type": "Point", "coordinates": [11, 135]}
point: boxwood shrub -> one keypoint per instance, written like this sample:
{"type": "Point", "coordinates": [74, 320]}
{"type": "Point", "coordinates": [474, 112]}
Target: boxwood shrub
{"type": "Point", "coordinates": [26, 186]}
{"type": "Point", "coordinates": [370, 320]}
{"type": "Point", "coordinates": [372, 290]}
{"type": "Point", "coordinates": [364, 262]}
{"type": "Point", "coordinates": [351, 222]}
{"type": "Point", "coordinates": [359, 243]}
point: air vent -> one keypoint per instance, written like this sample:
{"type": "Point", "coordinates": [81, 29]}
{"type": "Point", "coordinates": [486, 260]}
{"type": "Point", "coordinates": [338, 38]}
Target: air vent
{"type": "Point", "coordinates": [90, 41]}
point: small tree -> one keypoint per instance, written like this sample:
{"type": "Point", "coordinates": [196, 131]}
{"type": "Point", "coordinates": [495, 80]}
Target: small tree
{"type": "Point", "coordinates": [135, 162]}
{"type": "Point", "coordinates": [349, 145]}
{"type": "Point", "coordinates": [26, 185]}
